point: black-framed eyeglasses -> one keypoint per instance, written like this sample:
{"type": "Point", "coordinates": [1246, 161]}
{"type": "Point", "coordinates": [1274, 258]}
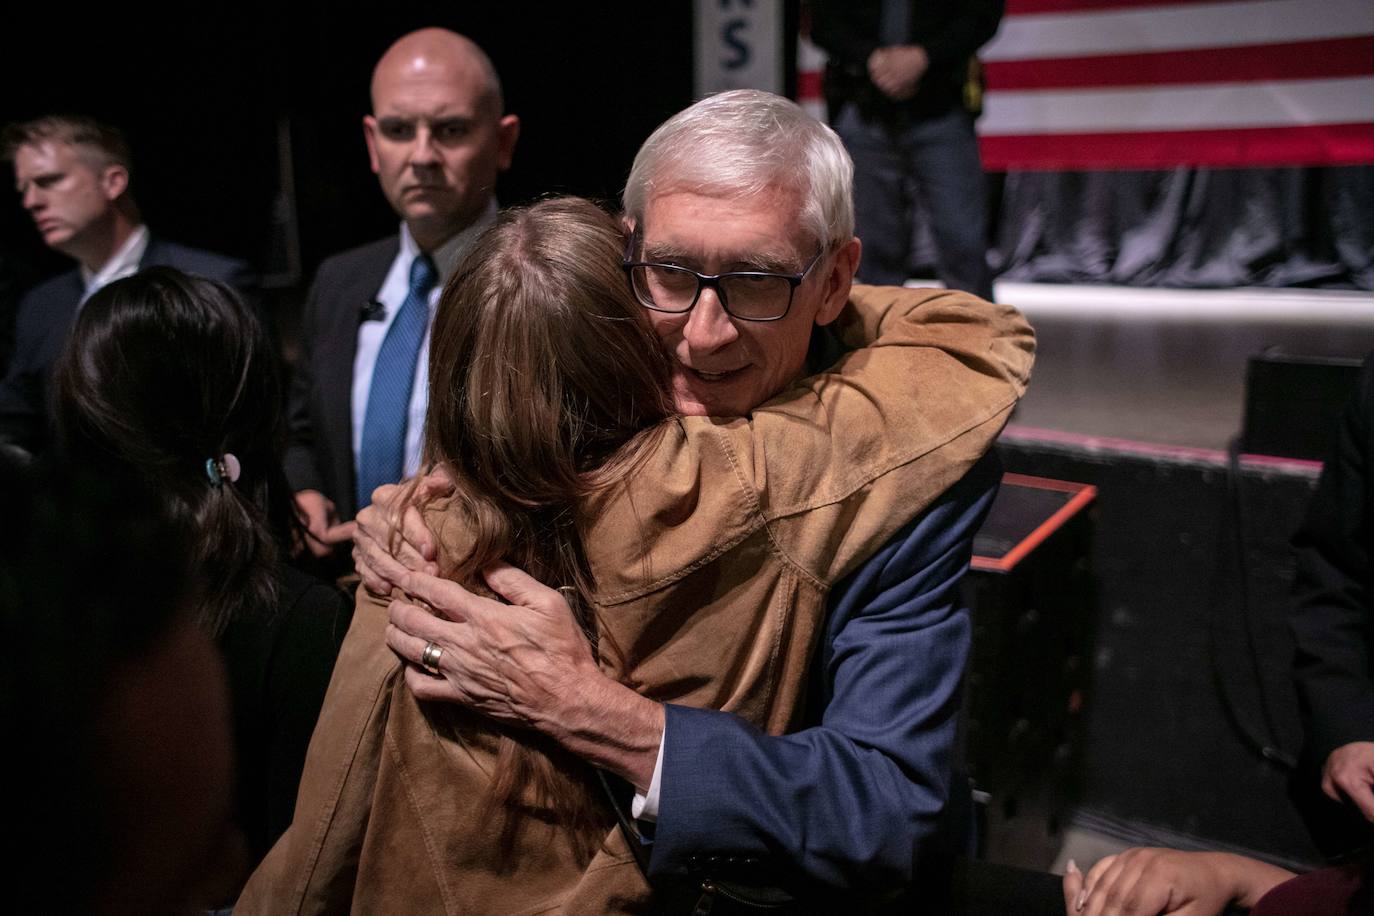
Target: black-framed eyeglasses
{"type": "Point", "coordinates": [750, 295]}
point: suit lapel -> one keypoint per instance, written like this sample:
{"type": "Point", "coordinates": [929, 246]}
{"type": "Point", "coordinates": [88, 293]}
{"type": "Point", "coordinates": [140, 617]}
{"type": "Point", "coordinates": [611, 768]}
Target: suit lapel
{"type": "Point", "coordinates": [65, 303]}
{"type": "Point", "coordinates": [152, 254]}
{"type": "Point", "coordinates": [336, 368]}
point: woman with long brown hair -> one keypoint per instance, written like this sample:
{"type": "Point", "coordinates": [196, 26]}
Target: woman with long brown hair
{"type": "Point", "coordinates": [543, 391]}
{"type": "Point", "coordinates": [549, 409]}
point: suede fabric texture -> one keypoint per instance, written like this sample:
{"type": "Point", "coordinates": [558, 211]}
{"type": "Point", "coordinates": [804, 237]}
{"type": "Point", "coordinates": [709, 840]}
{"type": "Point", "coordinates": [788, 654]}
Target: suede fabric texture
{"type": "Point", "coordinates": [712, 565]}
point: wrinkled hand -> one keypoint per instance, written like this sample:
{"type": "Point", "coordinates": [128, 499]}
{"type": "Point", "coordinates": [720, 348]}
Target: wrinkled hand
{"type": "Point", "coordinates": [516, 662]}
{"type": "Point", "coordinates": [379, 570]}
{"type": "Point", "coordinates": [897, 70]}
{"type": "Point", "coordinates": [1145, 881]}
{"type": "Point", "coordinates": [323, 533]}
{"type": "Point", "coordinates": [526, 663]}
{"type": "Point", "coordinates": [1349, 774]}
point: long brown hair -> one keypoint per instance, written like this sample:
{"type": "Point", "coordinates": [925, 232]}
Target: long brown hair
{"type": "Point", "coordinates": [545, 382]}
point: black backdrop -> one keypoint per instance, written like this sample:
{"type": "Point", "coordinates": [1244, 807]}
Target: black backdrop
{"type": "Point", "coordinates": [1191, 228]}
{"type": "Point", "coordinates": [212, 95]}
{"type": "Point", "coordinates": [208, 92]}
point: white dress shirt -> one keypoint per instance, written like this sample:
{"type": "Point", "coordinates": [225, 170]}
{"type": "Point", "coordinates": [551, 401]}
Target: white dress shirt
{"type": "Point", "coordinates": [123, 263]}
{"type": "Point", "coordinates": [393, 293]}
{"type": "Point", "coordinates": [644, 806]}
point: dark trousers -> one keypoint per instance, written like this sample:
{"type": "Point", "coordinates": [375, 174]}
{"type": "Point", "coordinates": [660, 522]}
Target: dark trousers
{"type": "Point", "coordinates": [930, 160]}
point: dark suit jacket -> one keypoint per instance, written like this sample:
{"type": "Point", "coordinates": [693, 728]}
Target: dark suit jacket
{"type": "Point", "coordinates": [46, 315]}
{"type": "Point", "coordinates": [1332, 615]}
{"type": "Point", "coordinates": [319, 455]}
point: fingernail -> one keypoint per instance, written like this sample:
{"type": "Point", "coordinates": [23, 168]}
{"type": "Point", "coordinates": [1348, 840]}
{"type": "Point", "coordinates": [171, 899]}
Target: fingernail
{"type": "Point", "coordinates": [1073, 867]}
{"type": "Point", "coordinates": [1081, 899]}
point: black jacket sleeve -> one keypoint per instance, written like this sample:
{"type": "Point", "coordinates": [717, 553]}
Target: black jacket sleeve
{"type": "Point", "coordinates": [950, 32]}
{"type": "Point", "coordinates": [951, 41]}
{"type": "Point", "coordinates": [845, 31]}
{"type": "Point", "coordinates": [1332, 615]}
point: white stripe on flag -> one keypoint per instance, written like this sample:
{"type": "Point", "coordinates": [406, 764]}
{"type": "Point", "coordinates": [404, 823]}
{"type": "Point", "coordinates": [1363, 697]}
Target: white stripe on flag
{"type": "Point", "coordinates": [1277, 104]}
{"type": "Point", "coordinates": [809, 56]}
{"type": "Point", "coordinates": [1178, 28]}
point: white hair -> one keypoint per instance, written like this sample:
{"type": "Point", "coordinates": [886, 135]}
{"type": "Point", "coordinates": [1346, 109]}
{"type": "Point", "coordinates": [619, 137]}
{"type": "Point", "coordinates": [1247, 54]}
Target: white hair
{"type": "Point", "coordinates": [744, 142]}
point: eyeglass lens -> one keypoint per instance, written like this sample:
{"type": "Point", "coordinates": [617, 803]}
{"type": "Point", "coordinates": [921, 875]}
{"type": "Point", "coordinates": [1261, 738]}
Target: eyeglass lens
{"type": "Point", "coordinates": [675, 289]}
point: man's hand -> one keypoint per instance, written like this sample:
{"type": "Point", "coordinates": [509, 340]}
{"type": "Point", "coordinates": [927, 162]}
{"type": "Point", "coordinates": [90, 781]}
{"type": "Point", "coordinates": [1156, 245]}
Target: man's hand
{"type": "Point", "coordinates": [377, 567]}
{"type": "Point", "coordinates": [526, 663]}
{"type": "Point", "coordinates": [897, 70]}
{"type": "Point", "coordinates": [1145, 881]}
{"type": "Point", "coordinates": [323, 532]}
{"type": "Point", "coordinates": [1349, 774]}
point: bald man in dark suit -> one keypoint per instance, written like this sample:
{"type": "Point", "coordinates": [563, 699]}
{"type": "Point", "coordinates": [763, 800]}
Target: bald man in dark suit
{"type": "Point", "coordinates": [437, 137]}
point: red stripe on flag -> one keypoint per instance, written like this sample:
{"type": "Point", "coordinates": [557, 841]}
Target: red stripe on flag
{"type": "Point", "coordinates": [1289, 61]}
{"type": "Point", "coordinates": [1023, 7]}
{"type": "Point", "coordinates": [1331, 144]}
{"type": "Point", "coordinates": [808, 84]}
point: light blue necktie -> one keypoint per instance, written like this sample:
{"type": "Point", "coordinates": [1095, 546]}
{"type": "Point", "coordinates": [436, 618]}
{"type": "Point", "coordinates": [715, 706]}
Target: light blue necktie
{"type": "Point", "coordinates": [381, 459]}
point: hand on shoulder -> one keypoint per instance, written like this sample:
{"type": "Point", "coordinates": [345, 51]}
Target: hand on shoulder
{"type": "Point", "coordinates": [1348, 775]}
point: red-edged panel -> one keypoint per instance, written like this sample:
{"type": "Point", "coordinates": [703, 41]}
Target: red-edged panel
{"type": "Point", "coordinates": [1084, 494]}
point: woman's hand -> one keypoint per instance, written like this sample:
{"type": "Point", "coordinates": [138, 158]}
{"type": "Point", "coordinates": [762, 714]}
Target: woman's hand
{"type": "Point", "coordinates": [1146, 881]}
{"type": "Point", "coordinates": [1348, 775]}
{"type": "Point", "coordinates": [379, 569]}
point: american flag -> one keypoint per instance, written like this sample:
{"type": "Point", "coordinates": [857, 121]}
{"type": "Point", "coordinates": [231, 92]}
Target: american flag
{"type": "Point", "coordinates": [1150, 84]}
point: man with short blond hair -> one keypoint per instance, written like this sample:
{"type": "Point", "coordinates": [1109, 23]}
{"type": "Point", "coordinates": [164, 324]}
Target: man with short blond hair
{"type": "Point", "coordinates": [74, 176]}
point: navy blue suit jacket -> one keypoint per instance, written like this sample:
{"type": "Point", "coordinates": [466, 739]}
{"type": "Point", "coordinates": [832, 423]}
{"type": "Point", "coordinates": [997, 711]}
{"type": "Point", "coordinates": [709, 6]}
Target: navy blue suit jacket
{"type": "Point", "coordinates": [46, 315]}
{"type": "Point", "coordinates": [857, 799]}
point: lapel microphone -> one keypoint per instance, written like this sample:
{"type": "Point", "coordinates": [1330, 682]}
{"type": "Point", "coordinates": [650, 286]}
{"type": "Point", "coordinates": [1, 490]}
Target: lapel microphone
{"type": "Point", "coordinates": [373, 310]}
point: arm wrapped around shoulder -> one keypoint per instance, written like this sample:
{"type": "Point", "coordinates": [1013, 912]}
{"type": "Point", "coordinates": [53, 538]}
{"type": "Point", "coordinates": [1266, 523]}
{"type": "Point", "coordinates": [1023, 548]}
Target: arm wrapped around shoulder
{"type": "Point", "coordinates": [993, 337]}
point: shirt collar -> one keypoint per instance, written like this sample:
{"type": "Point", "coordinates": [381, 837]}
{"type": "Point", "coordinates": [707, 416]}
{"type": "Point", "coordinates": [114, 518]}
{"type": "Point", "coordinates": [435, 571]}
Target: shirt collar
{"type": "Point", "coordinates": [447, 255]}
{"type": "Point", "coordinates": [123, 263]}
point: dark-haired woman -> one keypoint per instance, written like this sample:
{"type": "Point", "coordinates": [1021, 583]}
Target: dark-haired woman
{"type": "Point", "coordinates": [549, 407]}
{"type": "Point", "coordinates": [169, 383]}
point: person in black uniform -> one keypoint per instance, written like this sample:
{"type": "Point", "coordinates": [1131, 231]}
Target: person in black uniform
{"type": "Point", "coordinates": [896, 84]}
{"type": "Point", "coordinates": [1332, 621]}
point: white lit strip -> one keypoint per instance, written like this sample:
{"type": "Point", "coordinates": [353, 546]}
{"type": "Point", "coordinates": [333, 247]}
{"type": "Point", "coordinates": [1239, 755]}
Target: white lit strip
{"type": "Point", "coordinates": [1178, 28]}
{"type": "Point", "coordinates": [1309, 307]}
{"type": "Point", "coordinates": [1291, 103]}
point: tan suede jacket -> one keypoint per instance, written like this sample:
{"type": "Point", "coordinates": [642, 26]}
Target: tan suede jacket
{"type": "Point", "coordinates": [712, 566]}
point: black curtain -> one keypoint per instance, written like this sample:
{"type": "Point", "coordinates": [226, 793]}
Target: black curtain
{"type": "Point", "coordinates": [1275, 227]}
